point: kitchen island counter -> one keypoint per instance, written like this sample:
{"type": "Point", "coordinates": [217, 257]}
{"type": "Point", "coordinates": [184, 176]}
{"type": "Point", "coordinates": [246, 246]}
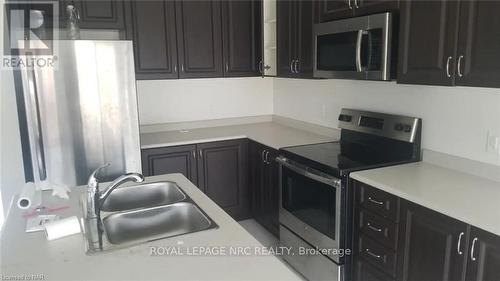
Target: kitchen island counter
{"type": "Point", "coordinates": [197, 256]}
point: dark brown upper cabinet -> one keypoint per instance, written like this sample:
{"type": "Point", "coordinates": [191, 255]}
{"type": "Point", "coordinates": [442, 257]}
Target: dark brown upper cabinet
{"type": "Point", "coordinates": [199, 38]}
{"type": "Point", "coordinates": [152, 29]}
{"type": "Point", "coordinates": [295, 41]}
{"type": "Point", "coordinates": [428, 42]}
{"type": "Point", "coordinates": [101, 14]}
{"type": "Point", "coordinates": [223, 175]}
{"type": "Point", "coordinates": [434, 245]}
{"type": "Point", "coordinates": [167, 160]}
{"type": "Point", "coordinates": [479, 44]}
{"type": "Point", "coordinates": [484, 256]}
{"type": "Point", "coordinates": [449, 43]}
{"type": "Point", "coordinates": [328, 10]}
{"type": "Point", "coordinates": [242, 40]}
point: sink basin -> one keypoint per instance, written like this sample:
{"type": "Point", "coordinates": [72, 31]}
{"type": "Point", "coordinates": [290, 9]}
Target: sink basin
{"type": "Point", "coordinates": [143, 196]}
{"type": "Point", "coordinates": [155, 223]}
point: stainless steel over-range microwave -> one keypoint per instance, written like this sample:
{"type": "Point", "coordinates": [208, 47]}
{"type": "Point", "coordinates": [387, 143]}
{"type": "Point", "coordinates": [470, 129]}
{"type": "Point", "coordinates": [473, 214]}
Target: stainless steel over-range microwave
{"type": "Point", "coordinates": [355, 48]}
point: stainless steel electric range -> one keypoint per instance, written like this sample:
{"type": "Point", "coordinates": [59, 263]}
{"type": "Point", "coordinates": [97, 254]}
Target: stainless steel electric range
{"type": "Point", "coordinates": [315, 194]}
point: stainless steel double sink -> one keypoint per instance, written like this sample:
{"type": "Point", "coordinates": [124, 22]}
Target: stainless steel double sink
{"type": "Point", "coordinates": [141, 213]}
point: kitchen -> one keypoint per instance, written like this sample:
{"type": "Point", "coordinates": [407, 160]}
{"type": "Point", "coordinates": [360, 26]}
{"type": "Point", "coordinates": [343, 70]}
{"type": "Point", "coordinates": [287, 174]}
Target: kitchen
{"type": "Point", "coordinates": [237, 96]}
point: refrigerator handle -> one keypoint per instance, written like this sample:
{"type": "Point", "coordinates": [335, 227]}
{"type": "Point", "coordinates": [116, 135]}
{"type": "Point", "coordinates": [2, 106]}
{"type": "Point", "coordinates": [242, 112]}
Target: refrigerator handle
{"type": "Point", "coordinates": [35, 113]}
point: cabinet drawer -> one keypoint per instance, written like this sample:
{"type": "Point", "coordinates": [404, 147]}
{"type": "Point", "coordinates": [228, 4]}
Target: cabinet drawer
{"type": "Point", "coordinates": [378, 228]}
{"type": "Point", "coordinates": [364, 271]}
{"type": "Point", "coordinates": [378, 201]}
{"type": "Point", "coordinates": [378, 255]}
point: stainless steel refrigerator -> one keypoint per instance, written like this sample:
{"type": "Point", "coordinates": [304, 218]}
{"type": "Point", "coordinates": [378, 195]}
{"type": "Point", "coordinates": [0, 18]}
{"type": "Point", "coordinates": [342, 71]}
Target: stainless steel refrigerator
{"type": "Point", "coordinates": [80, 114]}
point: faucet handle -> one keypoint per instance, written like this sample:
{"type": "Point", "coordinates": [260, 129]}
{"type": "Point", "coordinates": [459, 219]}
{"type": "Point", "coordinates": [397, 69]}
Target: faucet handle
{"type": "Point", "coordinates": [92, 182]}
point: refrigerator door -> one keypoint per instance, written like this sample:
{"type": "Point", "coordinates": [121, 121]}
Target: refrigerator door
{"type": "Point", "coordinates": [83, 113]}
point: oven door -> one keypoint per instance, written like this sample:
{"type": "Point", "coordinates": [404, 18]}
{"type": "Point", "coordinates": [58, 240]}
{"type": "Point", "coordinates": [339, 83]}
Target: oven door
{"type": "Point", "coordinates": [310, 205]}
{"type": "Point", "coordinates": [356, 48]}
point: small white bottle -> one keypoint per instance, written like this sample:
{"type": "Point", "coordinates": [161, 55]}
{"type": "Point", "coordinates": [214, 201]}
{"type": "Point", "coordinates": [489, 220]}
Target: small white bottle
{"type": "Point", "coordinates": [73, 29]}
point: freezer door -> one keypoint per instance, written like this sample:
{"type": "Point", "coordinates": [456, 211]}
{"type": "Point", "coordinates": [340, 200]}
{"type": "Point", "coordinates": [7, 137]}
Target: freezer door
{"type": "Point", "coordinates": [82, 113]}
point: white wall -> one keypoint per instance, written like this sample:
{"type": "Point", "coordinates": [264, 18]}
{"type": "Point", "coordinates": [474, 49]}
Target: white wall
{"type": "Point", "coordinates": [163, 101]}
{"type": "Point", "coordinates": [455, 119]}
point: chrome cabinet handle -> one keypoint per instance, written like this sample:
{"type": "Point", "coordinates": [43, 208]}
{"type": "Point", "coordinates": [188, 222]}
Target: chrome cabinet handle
{"type": "Point", "coordinates": [375, 201]}
{"type": "Point", "coordinates": [349, 3]}
{"type": "Point", "coordinates": [459, 64]}
{"type": "Point", "coordinates": [227, 67]}
{"type": "Point", "coordinates": [373, 228]}
{"type": "Point", "coordinates": [262, 156]}
{"type": "Point", "coordinates": [260, 68]}
{"type": "Point", "coordinates": [267, 158]}
{"type": "Point", "coordinates": [175, 68]}
{"type": "Point", "coordinates": [459, 243]}
{"type": "Point", "coordinates": [182, 67]}
{"type": "Point", "coordinates": [448, 66]}
{"type": "Point", "coordinates": [472, 249]}
{"type": "Point", "coordinates": [296, 66]}
{"type": "Point", "coordinates": [372, 254]}
{"type": "Point", "coordinates": [200, 153]}
{"type": "Point", "coordinates": [291, 66]}
{"type": "Point", "coordinates": [194, 154]}
{"type": "Point", "coordinates": [356, 4]}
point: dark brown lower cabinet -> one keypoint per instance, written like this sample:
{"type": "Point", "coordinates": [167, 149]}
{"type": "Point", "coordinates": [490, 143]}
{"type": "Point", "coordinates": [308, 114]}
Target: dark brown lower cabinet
{"type": "Point", "coordinates": [264, 184]}
{"type": "Point", "coordinates": [219, 169]}
{"type": "Point", "coordinates": [429, 246]}
{"type": "Point", "coordinates": [484, 256]}
{"type": "Point", "coordinates": [433, 245]}
{"type": "Point", "coordinates": [167, 160]}
{"type": "Point", "coordinates": [222, 175]}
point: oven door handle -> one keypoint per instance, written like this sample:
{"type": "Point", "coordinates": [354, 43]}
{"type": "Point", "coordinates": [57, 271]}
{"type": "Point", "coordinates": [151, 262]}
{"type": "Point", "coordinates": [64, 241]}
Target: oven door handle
{"type": "Point", "coordinates": [310, 173]}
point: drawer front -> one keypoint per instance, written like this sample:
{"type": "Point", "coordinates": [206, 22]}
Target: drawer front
{"type": "Point", "coordinates": [377, 255]}
{"type": "Point", "coordinates": [378, 201]}
{"type": "Point", "coordinates": [378, 228]}
{"type": "Point", "coordinates": [364, 271]}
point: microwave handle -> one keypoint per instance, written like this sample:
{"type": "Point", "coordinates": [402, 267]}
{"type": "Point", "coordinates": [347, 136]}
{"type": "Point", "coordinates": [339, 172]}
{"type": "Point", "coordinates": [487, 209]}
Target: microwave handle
{"type": "Point", "coordinates": [334, 182]}
{"type": "Point", "coordinates": [359, 41]}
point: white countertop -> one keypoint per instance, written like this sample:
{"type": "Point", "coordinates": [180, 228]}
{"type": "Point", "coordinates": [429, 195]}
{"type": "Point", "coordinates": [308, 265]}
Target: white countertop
{"type": "Point", "coordinates": [64, 259]}
{"type": "Point", "coordinates": [271, 134]}
{"type": "Point", "coordinates": [468, 198]}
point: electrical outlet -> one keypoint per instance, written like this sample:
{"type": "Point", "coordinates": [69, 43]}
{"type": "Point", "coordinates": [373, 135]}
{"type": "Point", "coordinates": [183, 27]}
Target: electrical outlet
{"type": "Point", "coordinates": [492, 143]}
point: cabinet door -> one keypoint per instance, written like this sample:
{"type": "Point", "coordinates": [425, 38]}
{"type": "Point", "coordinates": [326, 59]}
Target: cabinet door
{"type": "Point", "coordinates": [167, 160]}
{"type": "Point", "coordinates": [222, 175]}
{"type": "Point", "coordinates": [241, 25]}
{"type": "Point", "coordinates": [369, 7]}
{"type": "Point", "coordinates": [364, 271]}
{"type": "Point", "coordinates": [257, 181]}
{"type": "Point", "coordinates": [101, 14]}
{"type": "Point", "coordinates": [153, 31]}
{"type": "Point", "coordinates": [285, 29]}
{"type": "Point", "coordinates": [272, 192]}
{"type": "Point", "coordinates": [304, 48]}
{"type": "Point", "coordinates": [479, 44]}
{"type": "Point", "coordinates": [329, 10]}
{"type": "Point", "coordinates": [484, 256]}
{"type": "Point", "coordinates": [434, 245]}
{"type": "Point", "coordinates": [199, 38]}
{"type": "Point", "coordinates": [428, 39]}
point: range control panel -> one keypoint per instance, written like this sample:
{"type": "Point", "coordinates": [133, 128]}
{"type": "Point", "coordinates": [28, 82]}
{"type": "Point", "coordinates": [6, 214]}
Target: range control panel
{"type": "Point", "coordinates": [402, 128]}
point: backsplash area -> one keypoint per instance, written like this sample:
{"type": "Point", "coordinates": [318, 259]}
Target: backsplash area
{"type": "Point", "coordinates": [456, 120]}
{"type": "Point", "coordinates": [165, 101]}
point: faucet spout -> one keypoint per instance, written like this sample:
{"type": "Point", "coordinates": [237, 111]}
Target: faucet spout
{"type": "Point", "coordinates": [135, 177]}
